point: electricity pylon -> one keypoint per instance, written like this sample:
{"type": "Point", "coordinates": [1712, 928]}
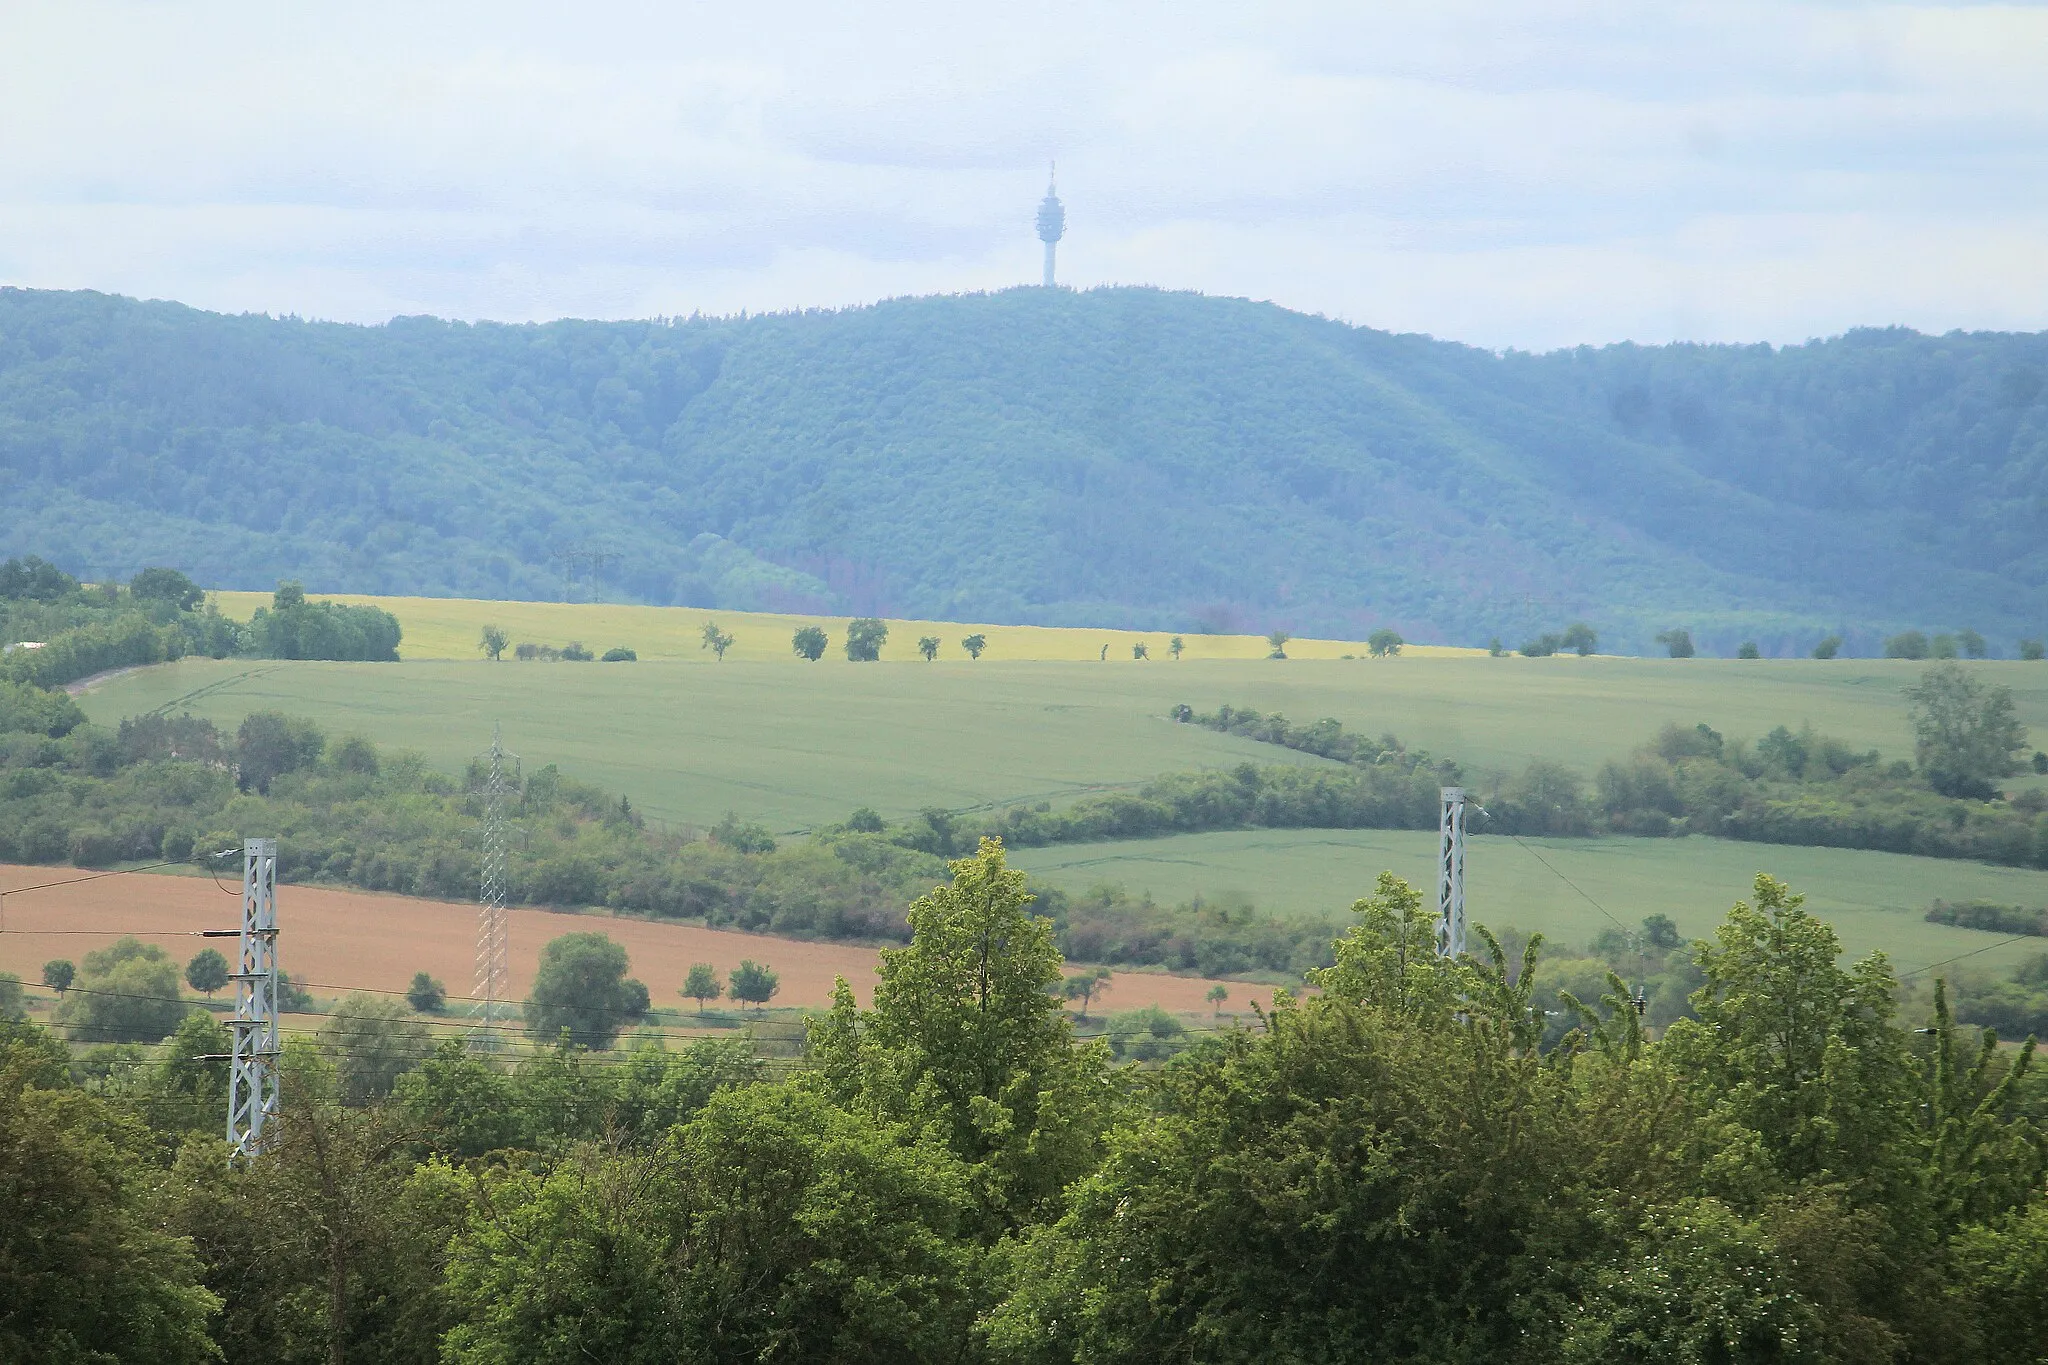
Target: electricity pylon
{"type": "Point", "coordinates": [493, 929]}
{"type": "Point", "coordinates": [252, 1077]}
{"type": "Point", "coordinates": [1450, 873]}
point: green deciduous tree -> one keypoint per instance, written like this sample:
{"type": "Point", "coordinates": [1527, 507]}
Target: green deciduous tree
{"type": "Point", "coordinates": [1085, 986]}
{"type": "Point", "coordinates": [1966, 733]}
{"type": "Point", "coordinates": [1277, 640]}
{"type": "Point", "coordinates": [268, 745]}
{"type": "Point", "coordinates": [582, 987]}
{"type": "Point", "coordinates": [974, 644]}
{"type": "Point", "coordinates": [126, 993]}
{"type": "Point", "coordinates": [426, 994]}
{"type": "Point", "coordinates": [928, 645]}
{"type": "Point", "coordinates": [754, 983]}
{"type": "Point", "coordinates": [1175, 646]}
{"type": "Point", "coordinates": [1385, 643]}
{"type": "Point", "coordinates": [58, 974]}
{"type": "Point", "coordinates": [1828, 648]}
{"type": "Point", "coordinates": [1579, 638]}
{"type": "Point", "coordinates": [865, 636]}
{"type": "Point", "coordinates": [207, 972]}
{"type": "Point", "coordinates": [372, 1041]}
{"type": "Point", "coordinates": [1216, 995]}
{"type": "Point", "coordinates": [1748, 650]}
{"type": "Point", "coordinates": [1677, 642]}
{"type": "Point", "coordinates": [2033, 650]}
{"type": "Point", "coordinates": [493, 642]}
{"type": "Point", "coordinates": [809, 643]}
{"type": "Point", "coordinates": [1140, 651]}
{"type": "Point", "coordinates": [168, 586]}
{"type": "Point", "coordinates": [86, 1273]}
{"type": "Point", "coordinates": [1911, 644]}
{"type": "Point", "coordinates": [702, 984]}
{"type": "Point", "coordinates": [716, 640]}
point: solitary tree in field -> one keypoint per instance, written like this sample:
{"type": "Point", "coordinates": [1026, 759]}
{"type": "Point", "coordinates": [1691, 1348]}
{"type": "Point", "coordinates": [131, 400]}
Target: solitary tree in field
{"type": "Point", "coordinates": [2033, 651]}
{"type": "Point", "coordinates": [809, 642]}
{"type": "Point", "coordinates": [1974, 645]}
{"type": "Point", "coordinates": [1678, 642]}
{"type": "Point", "coordinates": [1579, 638]}
{"type": "Point", "coordinates": [1175, 646]}
{"type": "Point", "coordinates": [1966, 734]}
{"type": "Point", "coordinates": [493, 642]}
{"type": "Point", "coordinates": [582, 987]}
{"type": "Point", "coordinates": [974, 644]}
{"type": "Point", "coordinates": [58, 975]}
{"type": "Point", "coordinates": [702, 984]}
{"type": "Point", "coordinates": [207, 972]}
{"type": "Point", "coordinates": [716, 640]}
{"type": "Point", "coordinates": [1278, 639]}
{"type": "Point", "coordinates": [754, 983]}
{"type": "Point", "coordinates": [928, 645]}
{"type": "Point", "coordinates": [1828, 648]}
{"type": "Point", "coordinates": [1385, 643]}
{"type": "Point", "coordinates": [425, 994]}
{"type": "Point", "coordinates": [1216, 996]}
{"type": "Point", "coordinates": [1141, 651]}
{"type": "Point", "coordinates": [865, 636]}
{"type": "Point", "coordinates": [1085, 986]}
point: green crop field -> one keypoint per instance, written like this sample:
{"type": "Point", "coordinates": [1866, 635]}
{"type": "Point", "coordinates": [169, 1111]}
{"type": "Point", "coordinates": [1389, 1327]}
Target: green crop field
{"type": "Point", "coordinates": [794, 744]}
{"type": "Point", "coordinates": [1875, 900]}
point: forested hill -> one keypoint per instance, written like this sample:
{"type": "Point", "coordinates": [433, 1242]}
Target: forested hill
{"type": "Point", "coordinates": [1120, 456]}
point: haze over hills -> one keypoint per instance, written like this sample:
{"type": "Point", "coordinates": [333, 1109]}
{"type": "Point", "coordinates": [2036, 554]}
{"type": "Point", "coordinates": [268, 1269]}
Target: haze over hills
{"type": "Point", "coordinates": [1112, 457]}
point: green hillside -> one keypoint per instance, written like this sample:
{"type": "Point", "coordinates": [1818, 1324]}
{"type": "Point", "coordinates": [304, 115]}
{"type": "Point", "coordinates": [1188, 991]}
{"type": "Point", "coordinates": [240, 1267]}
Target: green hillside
{"type": "Point", "coordinates": [1115, 457]}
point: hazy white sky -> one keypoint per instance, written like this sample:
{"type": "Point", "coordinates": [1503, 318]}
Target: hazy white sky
{"type": "Point", "coordinates": [1527, 173]}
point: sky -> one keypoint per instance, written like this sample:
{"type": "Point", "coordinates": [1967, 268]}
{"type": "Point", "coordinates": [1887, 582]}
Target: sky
{"type": "Point", "coordinates": [1529, 174]}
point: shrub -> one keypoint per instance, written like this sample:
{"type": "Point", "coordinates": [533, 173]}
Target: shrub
{"type": "Point", "coordinates": [619, 654]}
{"type": "Point", "coordinates": [1911, 644]}
{"type": "Point", "coordinates": [574, 652]}
{"type": "Point", "coordinates": [1828, 648]}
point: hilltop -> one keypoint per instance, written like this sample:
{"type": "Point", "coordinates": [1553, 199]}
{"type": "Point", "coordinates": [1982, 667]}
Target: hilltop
{"type": "Point", "coordinates": [1118, 457]}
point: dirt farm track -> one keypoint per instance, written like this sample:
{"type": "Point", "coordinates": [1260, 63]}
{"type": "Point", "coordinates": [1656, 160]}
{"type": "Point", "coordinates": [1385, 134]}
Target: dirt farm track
{"type": "Point", "coordinates": [334, 941]}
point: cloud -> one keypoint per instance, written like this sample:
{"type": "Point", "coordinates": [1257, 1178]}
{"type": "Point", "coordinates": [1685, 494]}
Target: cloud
{"type": "Point", "coordinates": [1528, 174]}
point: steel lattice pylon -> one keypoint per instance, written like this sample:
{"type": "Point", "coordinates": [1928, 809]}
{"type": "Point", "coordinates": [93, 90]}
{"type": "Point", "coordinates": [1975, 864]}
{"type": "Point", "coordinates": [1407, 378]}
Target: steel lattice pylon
{"type": "Point", "coordinates": [252, 1077]}
{"type": "Point", "coordinates": [1450, 873]}
{"type": "Point", "coordinates": [493, 931]}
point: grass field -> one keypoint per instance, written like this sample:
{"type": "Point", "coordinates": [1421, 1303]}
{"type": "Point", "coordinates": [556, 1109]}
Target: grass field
{"type": "Point", "coordinates": [793, 744]}
{"type": "Point", "coordinates": [449, 628]}
{"type": "Point", "coordinates": [1875, 900]}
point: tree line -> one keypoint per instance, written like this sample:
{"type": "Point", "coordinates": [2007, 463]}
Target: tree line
{"type": "Point", "coordinates": [1436, 1160]}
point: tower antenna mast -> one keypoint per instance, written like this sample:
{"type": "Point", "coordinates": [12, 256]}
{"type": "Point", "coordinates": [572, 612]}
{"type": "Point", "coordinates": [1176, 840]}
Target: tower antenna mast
{"type": "Point", "coordinates": [252, 1074]}
{"type": "Point", "coordinates": [1450, 873]}
{"type": "Point", "coordinates": [493, 927]}
{"type": "Point", "coordinates": [1052, 221]}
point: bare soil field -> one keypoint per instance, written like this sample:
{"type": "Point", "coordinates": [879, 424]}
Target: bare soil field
{"type": "Point", "coordinates": [335, 941]}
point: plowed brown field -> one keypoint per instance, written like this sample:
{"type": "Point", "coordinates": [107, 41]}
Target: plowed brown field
{"type": "Point", "coordinates": [335, 941]}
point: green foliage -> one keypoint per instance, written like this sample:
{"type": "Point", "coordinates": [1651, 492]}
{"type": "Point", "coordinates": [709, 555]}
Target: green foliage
{"type": "Point", "coordinates": [86, 1272]}
{"type": "Point", "coordinates": [754, 983]}
{"type": "Point", "coordinates": [1085, 986]}
{"type": "Point", "coordinates": [1542, 647]}
{"type": "Point", "coordinates": [493, 642]}
{"type": "Point", "coordinates": [1748, 650]}
{"type": "Point", "coordinates": [1677, 642]}
{"type": "Point", "coordinates": [1175, 646]}
{"type": "Point", "coordinates": [1140, 651]}
{"type": "Point", "coordinates": [809, 642]}
{"type": "Point", "coordinates": [2033, 650]}
{"type": "Point", "coordinates": [865, 636]}
{"type": "Point", "coordinates": [294, 628]}
{"type": "Point", "coordinates": [619, 654]}
{"type": "Point", "coordinates": [13, 999]}
{"type": "Point", "coordinates": [773, 1226]}
{"type": "Point", "coordinates": [1579, 638]}
{"type": "Point", "coordinates": [34, 579]}
{"type": "Point", "coordinates": [2012, 920]}
{"type": "Point", "coordinates": [1385, 643]}
{"type": "Point", "coordinates": [1278, 640]}
{"type": "Point", "coordinates": [268, 745]}
{"type": "Point", "coordinates": [1828, 648]}
{"type": "Point", "coordinates": [1910, 644]}
{"type": "Point", "coordinates": [716, 640]}
{"type": "Point", "coordinates": [1145, 1035]}
{"type": "Point", "coordinates": [702, 984]}
{"type": "Point", "coordinates": [125, 993]}
{"type": "Point", "coordinates": [576, 653]}
{"type": "Point", "coordinates": [928, 645]}
{"type": "Point", "coordinates": [1965, 732]}
{"type": "Point", "coordinates": [25, 708]}
{"type": "Point", "coordinates": [1974, 645]}
{"type": "Point", "coordinates": [974, 644]}
{"type": "Point", "coordinates": [582, 989]}
{"type": "Point", "coordinates": [426, 994]}
{"type": "Point", "coordinates": [58, 974]}
{"type": "Point", "coordinates": [207, 972]}
{"type": "Point", "coordinates": [372, 1041]}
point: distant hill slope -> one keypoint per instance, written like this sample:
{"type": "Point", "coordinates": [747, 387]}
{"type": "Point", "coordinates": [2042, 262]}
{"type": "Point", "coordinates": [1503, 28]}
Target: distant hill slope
{"type": "Point", "coordinates": [1114, 457]}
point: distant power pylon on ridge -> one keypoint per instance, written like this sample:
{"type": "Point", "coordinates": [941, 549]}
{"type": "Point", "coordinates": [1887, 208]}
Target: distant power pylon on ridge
{"type": "Point", "coordinates": [1052, 222]}
{"type": "Point", "coordinates": [493, 929]}
{"type": "Point", "coordinates": [594, 556]}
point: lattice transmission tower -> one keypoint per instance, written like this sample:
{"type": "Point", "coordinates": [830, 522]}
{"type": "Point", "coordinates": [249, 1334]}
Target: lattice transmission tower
{"type": "Point", "coordinates": [493, 929]}
{"type": "Point", "coordinates": [252, 1076]}
{"type": "Point", "coordinates": [1450, 873]}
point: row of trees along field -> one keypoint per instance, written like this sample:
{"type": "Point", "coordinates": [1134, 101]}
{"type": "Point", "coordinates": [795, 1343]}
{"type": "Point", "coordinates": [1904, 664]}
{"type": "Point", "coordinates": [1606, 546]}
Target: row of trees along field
{"type": "Point", "coordinates": [1428, 1160]}
{"type": "Point", "coordinates": [58, 630]}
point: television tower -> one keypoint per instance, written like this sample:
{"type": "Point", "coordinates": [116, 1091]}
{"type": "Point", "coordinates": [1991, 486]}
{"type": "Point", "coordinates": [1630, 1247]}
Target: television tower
{"type": "Point", "coordinates": [1052, 222]}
